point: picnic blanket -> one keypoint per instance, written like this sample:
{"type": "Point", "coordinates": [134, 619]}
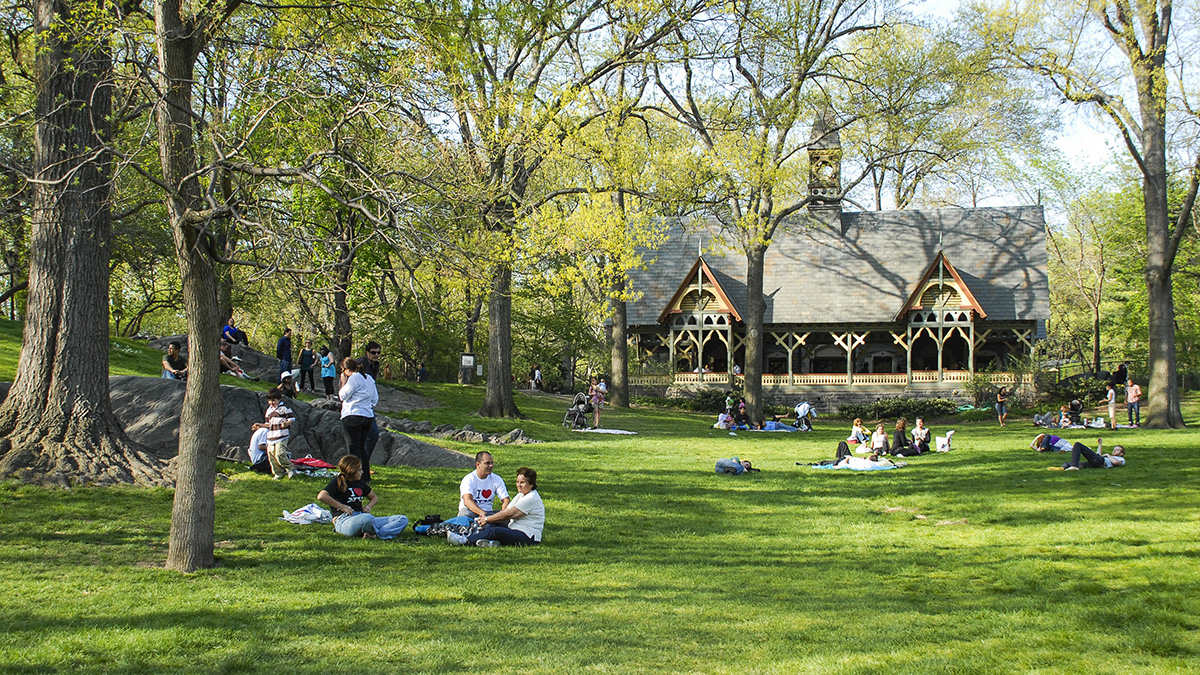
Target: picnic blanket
{"type": "Point", "coordinates": [620, 432]}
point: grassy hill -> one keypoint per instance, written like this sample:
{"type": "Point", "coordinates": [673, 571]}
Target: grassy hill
{"type": "Point", "coordinates": [976, 561]}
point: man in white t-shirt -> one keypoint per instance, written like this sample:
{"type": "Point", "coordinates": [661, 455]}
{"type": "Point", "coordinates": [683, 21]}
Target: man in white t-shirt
{"type": "Point", "coordinates": [480, 488]}
{"type": "Point", "coordinates": [258, 451]}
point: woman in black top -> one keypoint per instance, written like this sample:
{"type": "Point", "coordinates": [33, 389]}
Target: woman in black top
{"type": "Point", "coordinates": [351, 516]}
{"type": "Point", "coordinates": [901, 445]}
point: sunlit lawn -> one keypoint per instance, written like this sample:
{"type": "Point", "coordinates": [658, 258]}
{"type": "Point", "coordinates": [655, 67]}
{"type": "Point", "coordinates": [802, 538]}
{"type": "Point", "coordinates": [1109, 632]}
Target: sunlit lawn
{"type": "Point", "coordinates": [977, 561]}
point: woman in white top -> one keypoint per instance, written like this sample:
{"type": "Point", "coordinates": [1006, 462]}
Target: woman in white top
{"type": "Point", "coordinates": [359, 396]}
{"type": "Point", "coordinates": [878, 443]}
{"type": "Point", "coordinates": [525, 517]}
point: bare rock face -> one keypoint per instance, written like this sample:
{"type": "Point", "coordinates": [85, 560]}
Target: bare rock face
{"type": "Point", "coordinates": [149, 408]}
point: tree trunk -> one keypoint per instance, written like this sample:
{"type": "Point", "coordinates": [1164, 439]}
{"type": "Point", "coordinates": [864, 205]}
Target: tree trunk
{"type": "Point", "coordinates": [191, 539]}
{"type": "Point", "coordinates": [498, 396]}
{"type": "Point", "coordinates": [1096, 340]}
{"type": "Point", "coordinates": [465, 374]}
{"type": "Point", "coordinates": [755, 308]}
{"type": "Point", "coordinates": [56, 425]}
{"type": "Point", "coordinates": [1163, 394]}
{"type": "Point", "coordinates": [343, 331]}
{"type": "Point", "coordinates": [619, 387]}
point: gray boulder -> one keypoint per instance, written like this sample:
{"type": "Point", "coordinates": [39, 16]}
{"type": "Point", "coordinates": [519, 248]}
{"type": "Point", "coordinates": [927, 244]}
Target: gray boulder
{"type": "Point", "coordinates": [149, 409]}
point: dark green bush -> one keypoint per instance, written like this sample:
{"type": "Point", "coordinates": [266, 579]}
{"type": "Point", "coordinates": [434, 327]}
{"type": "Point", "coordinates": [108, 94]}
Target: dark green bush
{"type": "Point", "coordinates": [1087, 389]}
{"type": "Point", "coordinates": [892, 408]}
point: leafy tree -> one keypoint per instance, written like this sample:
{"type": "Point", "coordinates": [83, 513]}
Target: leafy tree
{"type": "Point", "coordinates": [1069, 45]}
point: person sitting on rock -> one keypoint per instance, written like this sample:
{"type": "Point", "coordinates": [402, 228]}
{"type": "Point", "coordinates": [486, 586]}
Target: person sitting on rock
{"type": "Point", "coordinates": [175, 367]}
{"type": "Point", "coordinates": [287, 386]}
{"type": "Point", "coordinates": [232, 335]}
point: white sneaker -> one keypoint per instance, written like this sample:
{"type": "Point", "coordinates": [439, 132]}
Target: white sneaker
{"type": "Point", "coordinates": [456, 539]}
{"type": "Point", "coordinates": [487, 543]}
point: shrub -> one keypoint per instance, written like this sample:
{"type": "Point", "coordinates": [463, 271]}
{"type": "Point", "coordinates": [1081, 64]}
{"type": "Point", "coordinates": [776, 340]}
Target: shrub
{"type": "Point", "coordinates": [891, 408]}
{"type": "Point", "coordinates": [1086, 388]}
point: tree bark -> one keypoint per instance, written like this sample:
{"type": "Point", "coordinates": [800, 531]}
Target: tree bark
{"type": "Point", "coordinates": [619, 387]}
{"type": "Point", "coordinates": [179, 41]}
{"type": "Point", "coordinates": [56, 425]}
{"type": "Point", "coordinates": [755, 309]}
{"type": "Point", "coordinates": [498, 395]}
{"type": "Point", "coordinates": [343, 330]}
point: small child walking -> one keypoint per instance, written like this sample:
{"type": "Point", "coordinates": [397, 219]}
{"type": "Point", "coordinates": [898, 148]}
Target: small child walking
{"type": "Point", "coordinates": [278, 422]}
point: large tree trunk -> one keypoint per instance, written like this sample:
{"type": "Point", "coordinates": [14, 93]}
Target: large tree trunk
{"type": "Point", "coordinates": [755, 308]}
{"type": "Point", "coordinates": [57, 424]}
{"type": "Point", "coordinates": [191, 539]}
{"type": "Point", "coordinates": [498, 396]}
{"type": "Point", "coordinates": [619, 387]}
{"type": "Point", "coordinates": [1096, 340]}
{"type": "Point", "coordinates": [1161, 247]}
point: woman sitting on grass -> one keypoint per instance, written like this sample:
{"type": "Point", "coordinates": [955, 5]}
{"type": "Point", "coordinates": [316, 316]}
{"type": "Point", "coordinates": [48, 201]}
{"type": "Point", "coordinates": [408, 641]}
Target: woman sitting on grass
{"type": "Point", "coordinates": [901, 445]}
{"type": "Point", "coordinates": [352, 518]}
{"type": "Point", "coordinates": [858, 433]}
{"type": "Point", "coordinates": [523, 519]}
{"type": "Point", "coordinates": [921, 436]}
{"type": "Point", "coordinates": [879, 442]}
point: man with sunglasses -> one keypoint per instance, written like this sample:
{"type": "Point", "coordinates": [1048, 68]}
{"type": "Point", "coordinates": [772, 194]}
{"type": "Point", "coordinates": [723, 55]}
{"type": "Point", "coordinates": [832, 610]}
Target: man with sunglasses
{"type": "Point", "coordinates": [368, 365]}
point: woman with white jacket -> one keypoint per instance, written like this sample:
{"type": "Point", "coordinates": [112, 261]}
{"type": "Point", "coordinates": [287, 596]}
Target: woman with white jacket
{"type": "Point", "coordinates": [359, 396]}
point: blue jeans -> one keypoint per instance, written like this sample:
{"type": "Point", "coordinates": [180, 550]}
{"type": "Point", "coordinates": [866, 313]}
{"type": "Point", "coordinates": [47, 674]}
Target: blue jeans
{"type": "Point", "coordinates": [504, 535]}
{"type": "Point", "coordinates": [1135, 408]}
{"type": "Point", "coordinates": [168, 375]}
{"type": "Point", "coordinates": [358, 524]}
{"type": "Point", "coordinates": [1094, 460]}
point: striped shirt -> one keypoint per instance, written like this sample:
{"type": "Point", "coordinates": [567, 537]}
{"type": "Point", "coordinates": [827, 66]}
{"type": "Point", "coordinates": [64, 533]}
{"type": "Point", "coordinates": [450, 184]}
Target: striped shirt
{"type": "Point", "coordinates": [279, 418]}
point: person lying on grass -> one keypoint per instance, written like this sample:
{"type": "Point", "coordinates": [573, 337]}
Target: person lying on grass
{"type": "Point", "coordinates": [1050, 443]}
{"type": "Point", "coordinates": [351, 517]}
{"type": "Point", "coordinates": [1095, 460]}
{"type": "Point", "coordinates": [523, 518]}
{"type": "Point", "coordinates": [869, 462]}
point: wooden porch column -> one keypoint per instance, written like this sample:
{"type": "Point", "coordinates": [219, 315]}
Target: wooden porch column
{"type": "Point", "coordinates": [671, 345]}
{"type": "Point", "coordinates": [908, 353]}
{"type": "Point", "coordinates": [971, 342]}
{"type": "Point", "coordinates": [941, 339]}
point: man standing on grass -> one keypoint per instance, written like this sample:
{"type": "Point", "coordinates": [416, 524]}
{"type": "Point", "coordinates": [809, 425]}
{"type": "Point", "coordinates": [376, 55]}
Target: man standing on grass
{"type": "Point", "coordinates": [480, 487]}
{"type": "Point", "coordinates": [1133, 403]}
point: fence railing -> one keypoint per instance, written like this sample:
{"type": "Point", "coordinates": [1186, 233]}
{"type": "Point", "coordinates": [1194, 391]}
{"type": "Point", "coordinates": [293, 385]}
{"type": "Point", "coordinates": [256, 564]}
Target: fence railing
{"type": "Point", "coordinates": [827, 379]}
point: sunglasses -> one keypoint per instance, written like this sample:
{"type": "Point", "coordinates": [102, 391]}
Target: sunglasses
{"type": "Point", "coordinates": [374, 352]}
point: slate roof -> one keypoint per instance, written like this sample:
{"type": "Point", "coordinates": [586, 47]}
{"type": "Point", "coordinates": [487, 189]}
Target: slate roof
{"type": "Point", "coordinates": [866, 270]}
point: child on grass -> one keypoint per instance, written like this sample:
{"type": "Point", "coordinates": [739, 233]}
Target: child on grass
{"type": "Point", "coordinates": [278, 424]}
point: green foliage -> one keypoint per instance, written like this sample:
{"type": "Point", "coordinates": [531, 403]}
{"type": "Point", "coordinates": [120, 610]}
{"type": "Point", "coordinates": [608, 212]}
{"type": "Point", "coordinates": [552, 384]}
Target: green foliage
{"type": "Point", "coordinates": [1089, 390]}
{"type": "Point", "coordinates": [894, 408]}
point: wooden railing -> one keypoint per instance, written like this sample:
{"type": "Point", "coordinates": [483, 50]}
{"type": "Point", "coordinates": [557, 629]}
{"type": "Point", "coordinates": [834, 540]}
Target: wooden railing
{"type": "Point", "coordinates": [825, 379]}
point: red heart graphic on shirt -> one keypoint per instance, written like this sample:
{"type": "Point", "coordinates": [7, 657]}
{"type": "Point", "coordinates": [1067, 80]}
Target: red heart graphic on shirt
{"type": "Point", "coordinates": [486, 493]}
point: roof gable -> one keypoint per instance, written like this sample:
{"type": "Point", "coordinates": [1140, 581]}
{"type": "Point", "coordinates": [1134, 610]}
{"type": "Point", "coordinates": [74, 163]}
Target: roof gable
{"type": "Point", "coordinates": [920, 291]}
{"type": "Point", "coordinates": [697, 280]}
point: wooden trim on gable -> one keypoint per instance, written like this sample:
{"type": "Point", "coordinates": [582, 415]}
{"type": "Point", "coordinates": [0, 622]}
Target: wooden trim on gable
{"type": "Point", "coordinates": [686, 285]}
{"type": "Point", "coordinates": [940, 259]}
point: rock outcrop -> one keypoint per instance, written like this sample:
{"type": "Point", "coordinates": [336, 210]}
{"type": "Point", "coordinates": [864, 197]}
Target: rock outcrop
{"type": "Point", "coordinates": [149, 409]}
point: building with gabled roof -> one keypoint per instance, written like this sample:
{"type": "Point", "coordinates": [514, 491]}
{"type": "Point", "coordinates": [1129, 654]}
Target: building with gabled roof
{"type": "Point", "coordinates": [872, 302]}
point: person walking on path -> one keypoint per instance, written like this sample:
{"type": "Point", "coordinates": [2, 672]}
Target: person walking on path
{"type": "Point", "coordinates": [1133, 403]}
{"type": "Point", "coordinates": [283, 351]}
{"type": "Point", "coordinates": [1002, 405]}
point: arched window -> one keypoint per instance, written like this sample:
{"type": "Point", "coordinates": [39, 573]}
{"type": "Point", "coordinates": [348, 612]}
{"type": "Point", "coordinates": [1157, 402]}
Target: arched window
{"type": "Point", "coordinates": [943, 295]}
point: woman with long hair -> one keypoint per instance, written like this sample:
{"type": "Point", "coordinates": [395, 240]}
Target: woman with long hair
{"type": "Point", "coordinates": [352, 517]}
{"type": "Point", "coordinates": [359, 396]}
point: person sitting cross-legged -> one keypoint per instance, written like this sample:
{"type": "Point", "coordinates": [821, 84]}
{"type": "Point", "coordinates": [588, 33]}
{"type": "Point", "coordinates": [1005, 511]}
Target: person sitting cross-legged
{"type": "Point", "coordinates": [523, 519]}
{"type": "Point", "coordinates": [352, 517]}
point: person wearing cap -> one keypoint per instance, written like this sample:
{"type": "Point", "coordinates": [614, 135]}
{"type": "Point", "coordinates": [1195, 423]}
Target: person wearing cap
{"type": "Point", "coordinates": [287, 386]}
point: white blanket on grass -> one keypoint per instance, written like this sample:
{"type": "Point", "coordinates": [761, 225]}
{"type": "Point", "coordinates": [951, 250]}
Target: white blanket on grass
{"type": "Point", "coordinates": [620, 432]}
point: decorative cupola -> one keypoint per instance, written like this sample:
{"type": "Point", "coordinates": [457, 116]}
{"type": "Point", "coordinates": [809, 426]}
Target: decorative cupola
{"type": "Point", "coordinates": [825, 170]}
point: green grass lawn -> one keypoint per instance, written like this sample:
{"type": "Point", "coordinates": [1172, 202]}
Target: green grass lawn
{"type": "Point", "coordinates": [976, 561]}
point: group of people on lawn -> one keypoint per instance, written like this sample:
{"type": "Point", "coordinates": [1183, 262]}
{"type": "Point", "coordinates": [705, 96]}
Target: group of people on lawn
{"type": "Point", "coordinates": [518, 522]}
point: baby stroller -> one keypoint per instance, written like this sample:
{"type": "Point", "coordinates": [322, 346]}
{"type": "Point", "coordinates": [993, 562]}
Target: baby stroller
{"type": "Point", "coordinates": [576, 417]}
{"type": "Point", "coordinates": [804, 416]}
